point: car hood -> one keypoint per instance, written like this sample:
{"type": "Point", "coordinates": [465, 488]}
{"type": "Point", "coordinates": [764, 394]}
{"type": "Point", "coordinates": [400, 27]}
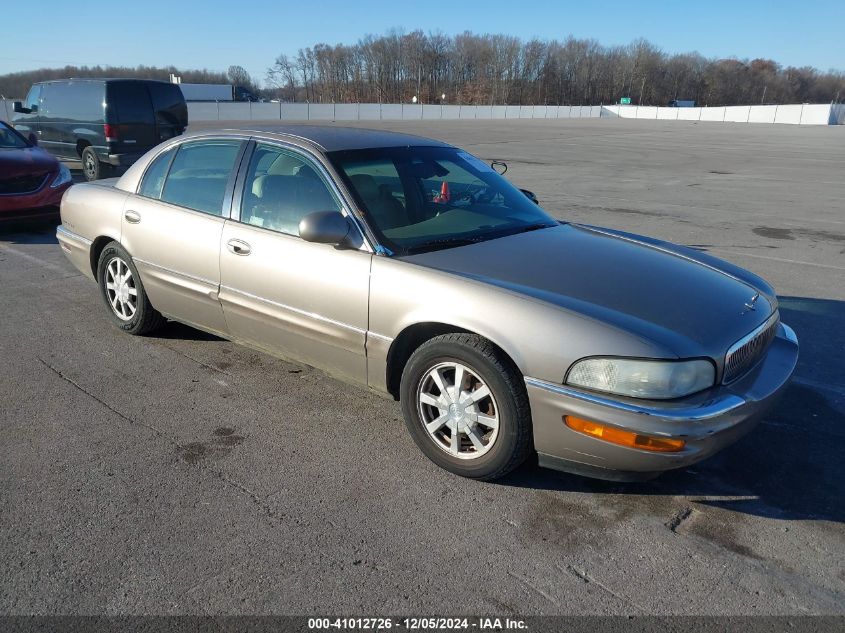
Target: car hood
{"type": "Point", "coordinates": [26, 162]}
{"type": "Point", "coordinates": [687, 302]}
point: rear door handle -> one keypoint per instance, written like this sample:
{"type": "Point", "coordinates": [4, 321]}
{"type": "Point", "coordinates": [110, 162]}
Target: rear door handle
{"type": "Point", "coordinates": [133, 217]}
{"type": "Point", "coordinates": [239, 247]}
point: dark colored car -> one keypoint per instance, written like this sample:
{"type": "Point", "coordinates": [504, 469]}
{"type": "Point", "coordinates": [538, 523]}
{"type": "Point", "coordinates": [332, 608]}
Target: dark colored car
{"type": "Point", "coordinates": [107, 123]}
{"type": "Point", "coordinates": [31, 181]}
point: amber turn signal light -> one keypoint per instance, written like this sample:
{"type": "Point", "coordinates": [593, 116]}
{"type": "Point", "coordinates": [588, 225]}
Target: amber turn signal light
{"type": "Point", "coordinates": [623, 438]}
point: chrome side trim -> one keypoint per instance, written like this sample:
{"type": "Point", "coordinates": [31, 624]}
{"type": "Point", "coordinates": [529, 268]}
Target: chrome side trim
{"type": "Point", "coordinates": [312, 315]}
{"type": "Point", "coordinates": [201, 280]}
{"type": "Point", "coordinates": [62, 232]}
{"type": "Point", "coordinates": [713, 409]}
{"type": "Point", "coordinates": [381, 337]}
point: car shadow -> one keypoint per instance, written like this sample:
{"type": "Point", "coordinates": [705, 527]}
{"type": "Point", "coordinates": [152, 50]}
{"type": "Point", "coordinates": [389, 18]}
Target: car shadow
{"type": "Point", "coordinates": [173, 330]}
{"type": "Point", "coordinates": [790, 467]}
{"type": "Point", "coordinates": [34, 231]}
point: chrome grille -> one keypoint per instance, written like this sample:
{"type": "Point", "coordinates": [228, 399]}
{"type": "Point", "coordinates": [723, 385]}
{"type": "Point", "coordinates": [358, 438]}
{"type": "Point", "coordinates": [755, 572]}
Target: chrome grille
{"type": "Point", "coordinates": [748, 350]}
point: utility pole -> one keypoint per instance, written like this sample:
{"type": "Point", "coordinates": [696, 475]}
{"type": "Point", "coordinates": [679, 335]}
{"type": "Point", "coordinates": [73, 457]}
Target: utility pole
{"type": "Point", "coordinates": [642, 87]}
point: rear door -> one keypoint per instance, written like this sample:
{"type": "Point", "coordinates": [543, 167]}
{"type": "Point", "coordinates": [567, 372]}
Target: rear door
{"type": "Point", "coordinates": [170, 110]}
{"type": "Point", "coordinates": [173, 225]}
{"type": "Point", "coordinates": [130, 109]}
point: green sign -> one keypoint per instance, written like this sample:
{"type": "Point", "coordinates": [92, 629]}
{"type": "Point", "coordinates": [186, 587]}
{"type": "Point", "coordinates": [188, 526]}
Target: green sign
{"type": "Point", "coordinates": [625, 101]}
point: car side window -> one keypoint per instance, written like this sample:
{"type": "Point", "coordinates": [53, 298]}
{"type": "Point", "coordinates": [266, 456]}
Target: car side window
{"type": "Point", "coordinates": [281, 188]}
{"type": "Point", "coordinates": [199, 174]}
{"type": "Point", "coordinates": [153, 180]}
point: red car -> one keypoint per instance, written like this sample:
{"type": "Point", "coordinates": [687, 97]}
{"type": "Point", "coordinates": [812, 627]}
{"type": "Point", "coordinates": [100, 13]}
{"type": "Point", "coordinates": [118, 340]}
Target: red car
{"type": "Point", "coordinates": [31, 180]}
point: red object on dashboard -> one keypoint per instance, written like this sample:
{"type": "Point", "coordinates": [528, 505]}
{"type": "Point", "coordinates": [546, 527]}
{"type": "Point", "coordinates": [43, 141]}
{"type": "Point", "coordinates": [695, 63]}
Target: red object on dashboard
{"type": "Point", "coordinates": [444, 193]}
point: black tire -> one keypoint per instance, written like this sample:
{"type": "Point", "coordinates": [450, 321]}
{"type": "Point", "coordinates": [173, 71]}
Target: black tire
{"type": "Point", "coordinates": [512, 445]}
{"type": "Point", "coordinates": [145, 318]}
{"type": "Point", "coordinates": [92, 167]}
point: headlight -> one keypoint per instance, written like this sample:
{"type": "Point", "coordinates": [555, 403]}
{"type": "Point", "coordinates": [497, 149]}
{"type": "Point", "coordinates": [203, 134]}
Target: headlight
{"type": "Point", "coordinates": [62, 177]}
{"type": "Point", "coordinates": [653, 379]}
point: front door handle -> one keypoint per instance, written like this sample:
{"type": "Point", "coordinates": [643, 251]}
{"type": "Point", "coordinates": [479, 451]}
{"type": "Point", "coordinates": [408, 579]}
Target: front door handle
{"type": "Point", "coordinates": [133, 217]}
{"type": "Point", "coordinates": [239, 247]}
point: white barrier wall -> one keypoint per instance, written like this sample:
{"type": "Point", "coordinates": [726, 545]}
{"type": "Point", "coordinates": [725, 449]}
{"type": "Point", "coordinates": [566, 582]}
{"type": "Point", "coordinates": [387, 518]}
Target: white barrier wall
{"type": "Point", "coordinates": [793, 114]}
{"type": "Point", "coordinates": [762, 114]}
{"type": "Point", "coordinates": [815, 114]}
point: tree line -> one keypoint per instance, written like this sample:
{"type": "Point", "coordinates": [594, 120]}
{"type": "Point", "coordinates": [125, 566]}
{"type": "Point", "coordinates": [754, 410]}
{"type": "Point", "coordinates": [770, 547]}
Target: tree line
{"type": "Point", "coordinates": [502, 69]}
{"type": "Point", "coordinates": [468, 68]}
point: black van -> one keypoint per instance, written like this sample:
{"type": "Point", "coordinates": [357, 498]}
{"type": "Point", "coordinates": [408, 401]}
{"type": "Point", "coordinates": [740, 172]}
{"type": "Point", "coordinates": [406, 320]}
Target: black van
{"type": "Point", "coordinates": [107, 123]}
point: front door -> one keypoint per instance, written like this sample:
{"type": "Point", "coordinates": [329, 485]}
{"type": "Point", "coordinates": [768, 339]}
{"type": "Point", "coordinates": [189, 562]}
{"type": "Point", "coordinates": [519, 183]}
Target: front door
{"type": "Point", "coordinates": [173, 226]}
{"type": "Point", "coordinates": [302, 300]}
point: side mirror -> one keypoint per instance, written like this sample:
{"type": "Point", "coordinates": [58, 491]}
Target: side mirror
{"type": "Point", "coordinates": [18, 107]}
{"type": "Point", "coordinates": [324, 227]}
{"type": "Point", "coordinates": [33, 139]}
{"type": "Point", "coordinates": [530, 195]}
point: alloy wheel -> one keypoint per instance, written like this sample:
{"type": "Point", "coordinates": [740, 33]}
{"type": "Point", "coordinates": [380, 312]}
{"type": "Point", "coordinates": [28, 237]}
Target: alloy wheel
{"type": "Point", "coordinates": [458, 410]}
{"type": "Point", "coordinates": [120, 289]}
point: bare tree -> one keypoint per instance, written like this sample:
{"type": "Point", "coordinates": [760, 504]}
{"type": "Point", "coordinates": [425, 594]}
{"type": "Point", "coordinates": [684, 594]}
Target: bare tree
{"type": "Point", "coordinates": [498, 69]}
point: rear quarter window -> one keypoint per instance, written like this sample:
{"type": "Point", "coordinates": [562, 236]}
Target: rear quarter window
{"type": "Point", "coordinates": [153, 180]}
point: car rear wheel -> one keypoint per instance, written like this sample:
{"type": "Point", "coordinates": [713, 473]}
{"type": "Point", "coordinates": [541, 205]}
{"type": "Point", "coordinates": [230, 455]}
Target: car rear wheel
{"type": "Point", "coordinates": [466, 406]}
{"type": "Point", "coordinates": [92, 167]}
{"type": "Point", "coordinates": [123, 292]}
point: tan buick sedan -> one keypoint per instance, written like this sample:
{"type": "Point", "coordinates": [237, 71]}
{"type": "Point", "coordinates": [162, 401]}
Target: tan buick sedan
{"type": "Point", "coordinates": [414, 268]}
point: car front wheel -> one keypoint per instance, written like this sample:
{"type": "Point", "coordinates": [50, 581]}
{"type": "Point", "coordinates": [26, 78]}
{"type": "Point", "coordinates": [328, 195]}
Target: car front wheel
{"type": "Point", "coordinates": [466, 406]}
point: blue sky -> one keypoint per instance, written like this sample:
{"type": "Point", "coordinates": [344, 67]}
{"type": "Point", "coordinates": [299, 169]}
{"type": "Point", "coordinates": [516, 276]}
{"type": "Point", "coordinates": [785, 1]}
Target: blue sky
{"type": "Point", "coordinates": [215, 34]}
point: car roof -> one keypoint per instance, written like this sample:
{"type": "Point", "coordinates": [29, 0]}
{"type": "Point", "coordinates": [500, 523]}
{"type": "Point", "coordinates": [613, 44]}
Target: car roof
{"type": "Point", "coordinates": [332, 138]}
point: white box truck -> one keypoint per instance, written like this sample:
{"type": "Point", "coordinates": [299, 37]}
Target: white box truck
{"type": "Point", "coordinates": [208, 92]}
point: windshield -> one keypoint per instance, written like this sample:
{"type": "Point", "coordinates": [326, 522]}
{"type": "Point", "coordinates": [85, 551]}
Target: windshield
{"type": "Point", "coordinates": [424, 198]}
{"type": "Point", "coordinates": [9, 139]}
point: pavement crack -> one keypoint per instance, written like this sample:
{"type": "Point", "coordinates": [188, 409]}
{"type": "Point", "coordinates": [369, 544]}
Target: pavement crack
{"type": "Point", "coordinates": [586, 578]}
{"type": "Point", "coordinates": [196, 360]}
{"type": "Point", "coordinates": [254, 497]}
{"type": "Point", "coordinates": [105, 404]}
{"type": "Point", "coordinates": [678, 519]}
{"type": "Point", "coordinates": [534, 588]}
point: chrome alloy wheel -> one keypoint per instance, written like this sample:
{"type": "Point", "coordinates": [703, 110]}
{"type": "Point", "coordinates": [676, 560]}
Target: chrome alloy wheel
{"type": "Point", "coordinates": [120, 289]}
{"type": "Point", "coordinates": [458, 410]}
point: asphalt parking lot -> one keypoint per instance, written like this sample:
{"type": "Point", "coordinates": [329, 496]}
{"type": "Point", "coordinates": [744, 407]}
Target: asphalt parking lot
{"type": "Point", "coordinates": [181, 473]}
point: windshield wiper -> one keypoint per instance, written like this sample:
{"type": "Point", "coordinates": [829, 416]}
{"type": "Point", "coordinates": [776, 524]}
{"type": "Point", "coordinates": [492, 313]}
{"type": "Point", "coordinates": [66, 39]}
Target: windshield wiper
{"type": "Point", "coordinates": [446, 242]}
{"type": "Point", "coordinates": [532, 227]}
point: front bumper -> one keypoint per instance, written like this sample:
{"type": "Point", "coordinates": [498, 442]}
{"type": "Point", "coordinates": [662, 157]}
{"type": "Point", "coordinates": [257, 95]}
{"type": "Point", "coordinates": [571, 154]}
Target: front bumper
{"type": "Point", "coordinates": [43, 201]}
{"type": "Point", "coordinates": [707, 422]}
